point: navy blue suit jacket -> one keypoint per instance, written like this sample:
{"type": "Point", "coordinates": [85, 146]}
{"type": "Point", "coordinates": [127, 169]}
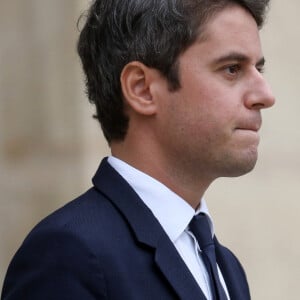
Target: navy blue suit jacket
{"type": "Point", "coordinates": [107, 244]}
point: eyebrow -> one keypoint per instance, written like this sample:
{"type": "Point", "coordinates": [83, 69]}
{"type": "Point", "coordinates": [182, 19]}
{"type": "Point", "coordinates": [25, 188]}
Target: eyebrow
{"type": "Point", "coordinates": [234, 56]}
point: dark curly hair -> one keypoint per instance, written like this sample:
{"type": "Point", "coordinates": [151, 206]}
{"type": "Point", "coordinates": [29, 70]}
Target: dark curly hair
{"type": "Point", "coordinates": [154, 32]}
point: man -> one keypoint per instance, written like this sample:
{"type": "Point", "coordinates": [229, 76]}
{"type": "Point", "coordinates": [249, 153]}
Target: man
{"type": "Point", "coordinates": [178, 90]}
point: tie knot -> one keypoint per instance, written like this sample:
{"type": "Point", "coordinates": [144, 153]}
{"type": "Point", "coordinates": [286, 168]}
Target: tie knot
{"type": "Point", "coordinates": [199, 226]}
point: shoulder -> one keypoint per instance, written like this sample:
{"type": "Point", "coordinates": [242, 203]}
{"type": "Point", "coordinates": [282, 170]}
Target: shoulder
{"type": "Point", "coordinates": [87, 220]}
{"type": "Point", "coordinates": [62, 251]}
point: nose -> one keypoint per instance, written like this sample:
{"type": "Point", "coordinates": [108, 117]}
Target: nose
{"type": "Point", "coordinates": [259, 95]}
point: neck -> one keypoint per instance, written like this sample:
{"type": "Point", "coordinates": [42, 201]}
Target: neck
{"type": "Point", "coordinates": [188, 186]}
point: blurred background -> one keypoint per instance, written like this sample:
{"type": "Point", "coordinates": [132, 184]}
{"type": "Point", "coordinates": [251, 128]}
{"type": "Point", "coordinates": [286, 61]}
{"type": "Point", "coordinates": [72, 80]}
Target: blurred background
{"type": "Point", "coordinates": [50, 146]}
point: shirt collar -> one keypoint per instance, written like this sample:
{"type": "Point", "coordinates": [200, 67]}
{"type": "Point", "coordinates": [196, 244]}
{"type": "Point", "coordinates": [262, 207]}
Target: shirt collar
{"type": "Point", "coordinates": [173, 213]}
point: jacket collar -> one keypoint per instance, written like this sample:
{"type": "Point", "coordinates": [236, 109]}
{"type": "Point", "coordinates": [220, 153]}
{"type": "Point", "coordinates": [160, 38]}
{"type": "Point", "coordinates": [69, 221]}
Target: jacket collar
{"type": "Point", "coordinates": [147, 230]}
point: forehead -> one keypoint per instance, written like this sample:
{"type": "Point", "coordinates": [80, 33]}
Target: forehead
{"type": "Point", "coordinates": [232, 28]}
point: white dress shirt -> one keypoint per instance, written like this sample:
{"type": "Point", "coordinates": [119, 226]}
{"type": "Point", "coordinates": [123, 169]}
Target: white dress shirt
{"type": "Point", "coordinates": [174, 215]}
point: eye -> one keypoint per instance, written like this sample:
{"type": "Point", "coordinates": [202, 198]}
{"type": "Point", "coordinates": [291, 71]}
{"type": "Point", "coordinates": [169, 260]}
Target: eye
{"type": "Point", "coordinates": [232, 70]}
{"type": "Point", "coordinates": [260, 69]}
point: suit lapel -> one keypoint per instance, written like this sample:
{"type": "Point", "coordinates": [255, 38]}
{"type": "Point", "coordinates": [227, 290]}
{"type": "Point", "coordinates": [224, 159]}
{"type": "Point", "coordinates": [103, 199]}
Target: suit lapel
{"type": "Point", "coordinates": [148, 231]}
{"type": "Point", "coordinates": [175, 270]}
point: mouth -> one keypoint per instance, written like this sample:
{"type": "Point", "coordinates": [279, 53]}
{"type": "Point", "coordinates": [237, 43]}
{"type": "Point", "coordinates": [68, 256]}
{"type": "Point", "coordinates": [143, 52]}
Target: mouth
{"type": "Point", "coordinates": [249, 126]}
{"type": "Point", "coordinates": [250, 132]}
{"type": "Point", "coordinates": [248, 135]}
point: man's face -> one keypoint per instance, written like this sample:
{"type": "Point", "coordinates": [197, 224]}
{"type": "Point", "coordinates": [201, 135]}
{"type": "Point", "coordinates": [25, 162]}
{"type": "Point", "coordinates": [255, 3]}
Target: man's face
{"type": "Point", "coordinates": [210, 125]}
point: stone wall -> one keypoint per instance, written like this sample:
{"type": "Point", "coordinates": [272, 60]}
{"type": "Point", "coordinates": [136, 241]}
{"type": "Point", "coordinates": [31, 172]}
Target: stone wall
{"type": "Point", "coordinates": [48, 139]}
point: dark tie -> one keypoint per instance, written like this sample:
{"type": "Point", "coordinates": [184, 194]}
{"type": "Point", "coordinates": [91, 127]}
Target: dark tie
{"type": "Point", "coordinates": [199, 226]}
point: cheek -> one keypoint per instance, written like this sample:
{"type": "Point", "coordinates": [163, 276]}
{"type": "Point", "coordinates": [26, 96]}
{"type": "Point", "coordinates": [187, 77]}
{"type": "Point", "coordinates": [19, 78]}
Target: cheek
{"type": "Point", "coordinates": [202, 110]}
{"type": "Point", "coordinates": [218, 107]}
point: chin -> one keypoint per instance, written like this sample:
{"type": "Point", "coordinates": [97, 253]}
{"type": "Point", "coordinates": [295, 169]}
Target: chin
{"type": "Point", "coordinates": [239, 165]}
{"type": "Point", "coordinates": [242, 170]}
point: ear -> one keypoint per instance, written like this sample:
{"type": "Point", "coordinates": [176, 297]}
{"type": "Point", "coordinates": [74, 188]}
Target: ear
{"type": "Point", "coordinates": [136, 82]}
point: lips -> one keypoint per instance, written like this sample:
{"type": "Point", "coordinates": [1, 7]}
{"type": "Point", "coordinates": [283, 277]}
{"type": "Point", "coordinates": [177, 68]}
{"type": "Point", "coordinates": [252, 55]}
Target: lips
{"type": "Point", "coordinates": [254, 128]}
{"type": "Point", "coordinates": [251, 125]}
